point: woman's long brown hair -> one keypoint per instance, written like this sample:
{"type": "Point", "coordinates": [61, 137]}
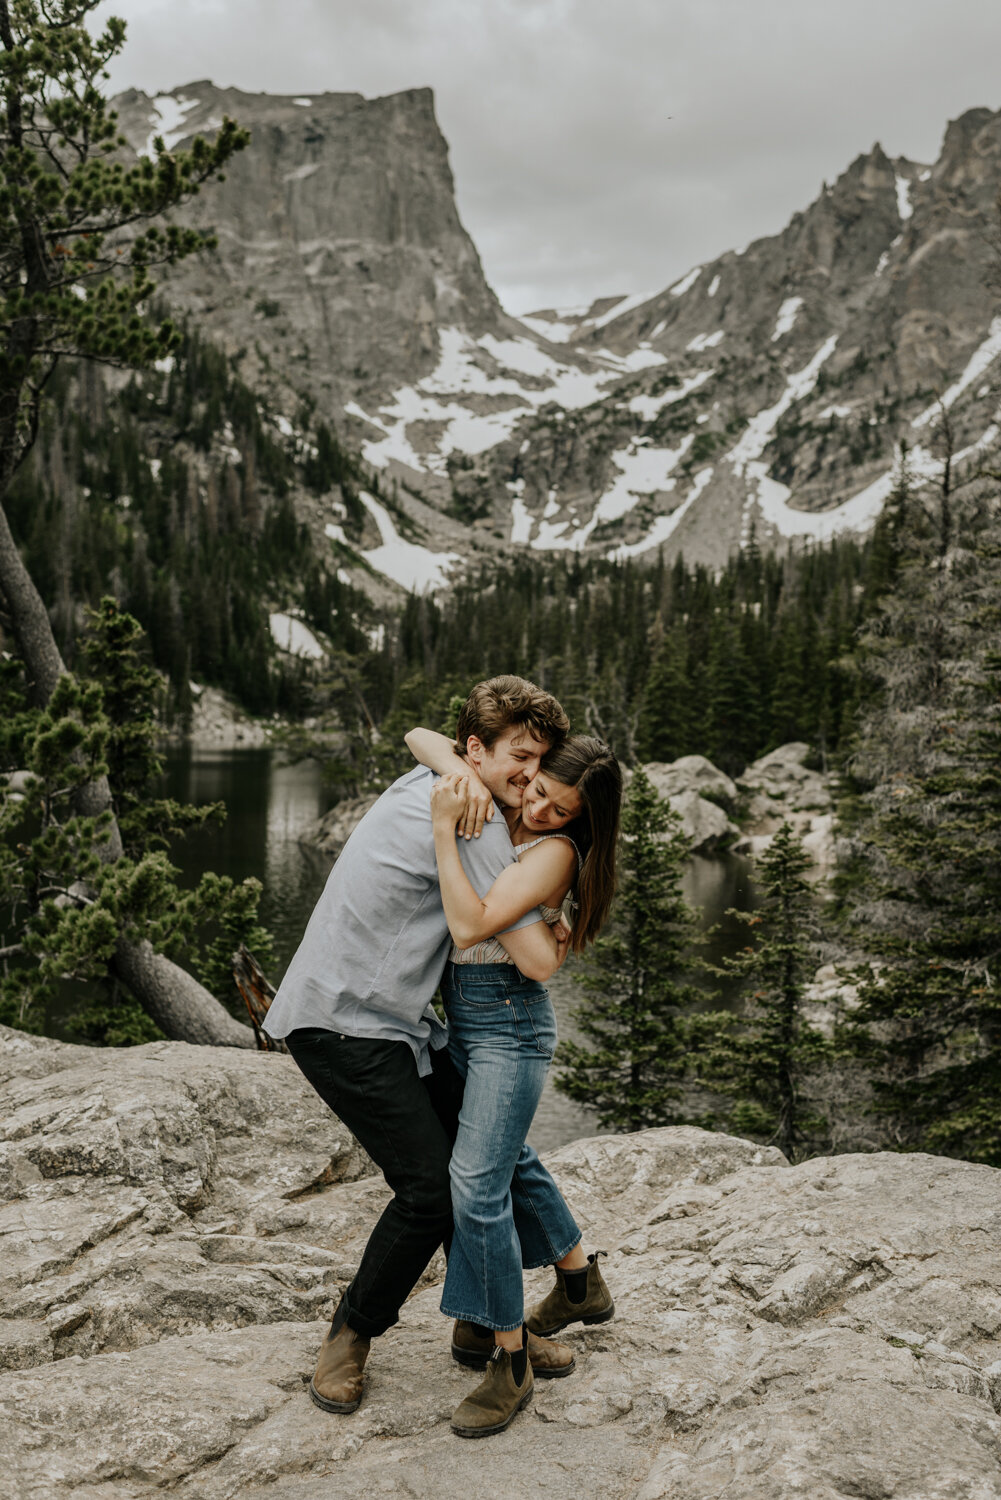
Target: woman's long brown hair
{"type": "Point", "coordinates": [585, 763]}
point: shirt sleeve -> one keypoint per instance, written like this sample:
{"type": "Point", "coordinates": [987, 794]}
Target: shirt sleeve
{"type": "Point", "coordinates": [485, 858]}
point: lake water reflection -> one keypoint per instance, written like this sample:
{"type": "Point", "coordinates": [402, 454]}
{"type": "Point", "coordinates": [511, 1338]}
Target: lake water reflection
{"type": "Point", "coordinates": [271, 804]}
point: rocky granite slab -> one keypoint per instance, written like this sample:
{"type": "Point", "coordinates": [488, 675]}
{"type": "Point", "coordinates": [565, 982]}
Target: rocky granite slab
{"type": "Point", "coordinates": [830, 1330]}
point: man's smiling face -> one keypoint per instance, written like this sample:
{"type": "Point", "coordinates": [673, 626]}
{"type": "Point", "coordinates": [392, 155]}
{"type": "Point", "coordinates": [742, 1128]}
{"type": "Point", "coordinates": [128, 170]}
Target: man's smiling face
{"type": "Point", "coordinates": [509, 765]}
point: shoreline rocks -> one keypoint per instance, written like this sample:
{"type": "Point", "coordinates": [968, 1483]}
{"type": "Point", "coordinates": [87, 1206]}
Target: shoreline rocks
{"type": "Point", "coordinates": [219, 723]}
{"type": "Point", "coordinates": [781, 788]}
{"type": "Point", "coordinates": [684, 783]}
{"type": "Point", "coordinates": [329, 834]}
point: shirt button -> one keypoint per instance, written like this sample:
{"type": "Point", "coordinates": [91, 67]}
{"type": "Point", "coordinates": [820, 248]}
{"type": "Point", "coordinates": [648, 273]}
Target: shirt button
{"type": "Point", "coordinates": [507, 1002]}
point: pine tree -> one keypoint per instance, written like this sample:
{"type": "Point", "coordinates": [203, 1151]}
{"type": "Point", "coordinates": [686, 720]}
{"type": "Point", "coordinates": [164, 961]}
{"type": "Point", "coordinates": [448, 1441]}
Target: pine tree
{"type": "Point", "coordinates": [636, 1016]}
{"type": "Point", "coordinates": [763, 1058]}
{"type": "Point", "coordinates": [924, 891]}
{"type": "Point", "coordinates": [666, 715]}
{"type": "Point", "coordinates": [78, 241]}
{"type": "Point", "coordinates": [67, 908]}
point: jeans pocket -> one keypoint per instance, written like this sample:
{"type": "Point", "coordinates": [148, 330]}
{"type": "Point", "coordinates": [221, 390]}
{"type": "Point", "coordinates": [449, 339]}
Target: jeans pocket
{"type": "Point", "coordinates": [481, 992]}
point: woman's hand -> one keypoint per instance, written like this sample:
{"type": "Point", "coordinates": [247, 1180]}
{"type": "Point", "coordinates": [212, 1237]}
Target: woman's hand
{"type": "Point", "coordinates": [439, 754]}
{"type": "Point", "coordinates": [479, 806]}
{"type": "Point", "coordinates": [450, 799]}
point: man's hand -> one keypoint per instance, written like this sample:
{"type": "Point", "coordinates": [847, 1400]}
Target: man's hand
{"type": "Point", "coordinates": [561, 931]}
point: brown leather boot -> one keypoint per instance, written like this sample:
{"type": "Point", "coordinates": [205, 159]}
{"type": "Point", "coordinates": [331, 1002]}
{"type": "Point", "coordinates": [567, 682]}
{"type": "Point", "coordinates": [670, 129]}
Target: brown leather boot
{"type": "Point", "coordinates": [497, 1399]}
{"type": "Point", "coordinates": [556, 1311]}
{"type": "Point", "coordinates": [549, 1360]}
{"type": "Point", "coordinates": [337, 1383]}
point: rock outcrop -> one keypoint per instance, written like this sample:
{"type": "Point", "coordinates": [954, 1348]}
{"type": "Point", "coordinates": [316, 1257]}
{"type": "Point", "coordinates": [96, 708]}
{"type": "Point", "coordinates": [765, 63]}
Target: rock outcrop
{"type": "Point", "coordinates": [781, 789]}
{"type": "Point", "coordinates": [330, 833]}
{"type": "Point", "coordinates": [829, 1329]}
{"type": "Point", "coordinates": [684, 784]}
{"type": "Point", "coordinates": [156, 1190]}
{"type": "Point", "coordinates": [340, 247]}
{"type": "Point", "coordinates": [218, 723]}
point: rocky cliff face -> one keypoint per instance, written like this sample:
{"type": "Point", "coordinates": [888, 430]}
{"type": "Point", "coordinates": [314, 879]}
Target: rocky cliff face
{"type": "Point", "coordinates": [767, 391]}
{"type": "Point", "coordinates": [788, 373]}
{"type": "Point", "coordinates": [176, 1224]}
{"type": "Point", "coordinates": [340, 248]}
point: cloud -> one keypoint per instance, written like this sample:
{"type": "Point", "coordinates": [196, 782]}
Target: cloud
{"type": "Point", "coordinates": [605, 147]}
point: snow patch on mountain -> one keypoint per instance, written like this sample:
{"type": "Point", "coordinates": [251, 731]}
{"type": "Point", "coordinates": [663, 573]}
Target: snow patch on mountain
{"type": "Point", "coordinates": [291, 635]}
{"type": "Point", "coordinates": [647, 407]}
{"type": "Point", "coordinates": [904, 206]}
{"type": "Point", "coordinates": [786, 317]}
{"type": "Point", "coordinates": [640, 358]}
{"type": "Point", "coordinates": [664, 525]}
{"type": "Point", "coordinates": [981, 360]}
{"type": "Point", "coordinates": [705, 341]}
{"type": "Point", "coordinates": [623, 306]}
{"type": "Point", "coordinates": [167, 120]}
{"type": "Point", "coordinates": [686, 283]}
{"type": "Point", "coordinates": [559, 329]}
{"type": "Point", "coordinates": [884, 259]}
{"type": "Point", "coordinates": [643, 471]}
{"type": "Point", "coordinates": [406, 563]}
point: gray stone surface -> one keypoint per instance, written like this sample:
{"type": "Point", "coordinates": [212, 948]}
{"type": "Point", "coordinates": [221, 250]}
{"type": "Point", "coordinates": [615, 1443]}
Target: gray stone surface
{"type": "Point", "coordinates": [682, 783]}
{"type": "Point", "coordinates": [157, 1190]}
{"type": "Point", "coordinates": [705, 826]}
{"type": "Point", "coordinates": [217, 723]}
{"type": "Point", "coordinates": [829, 1330]}
{"type": "Point", "coordinates": [781, 788]}
{"type": "Point", "coordinates": [690, 773]}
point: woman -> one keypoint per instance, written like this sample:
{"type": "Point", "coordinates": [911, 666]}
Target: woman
{"type": "Point", "coordinates": [502, 1035]}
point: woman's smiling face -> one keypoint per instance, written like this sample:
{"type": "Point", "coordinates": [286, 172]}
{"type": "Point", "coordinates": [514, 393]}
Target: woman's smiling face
{"type": "Point", "coordinates": [549, 804]}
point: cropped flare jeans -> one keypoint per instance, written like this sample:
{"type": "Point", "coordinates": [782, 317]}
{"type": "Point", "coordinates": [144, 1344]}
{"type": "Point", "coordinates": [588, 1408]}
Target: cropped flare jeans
{"type": "Point", "coordinates": [508, 1212]}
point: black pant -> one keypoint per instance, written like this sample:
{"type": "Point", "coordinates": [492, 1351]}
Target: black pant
{"type": "Point", "coordinates": [407, 1124]}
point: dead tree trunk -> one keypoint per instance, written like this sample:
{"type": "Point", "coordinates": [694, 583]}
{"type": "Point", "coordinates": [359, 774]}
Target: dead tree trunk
{"type": "Point", "coordinates": [182, 1008]}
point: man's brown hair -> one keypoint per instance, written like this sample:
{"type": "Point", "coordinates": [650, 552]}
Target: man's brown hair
{"type": "Point", "coordinates": [500, 703]}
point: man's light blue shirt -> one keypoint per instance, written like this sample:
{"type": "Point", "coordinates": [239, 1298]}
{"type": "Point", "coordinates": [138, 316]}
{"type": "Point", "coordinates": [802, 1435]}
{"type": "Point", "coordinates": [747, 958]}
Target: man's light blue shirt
{"type": "Point", "coordinates": [376, 944]}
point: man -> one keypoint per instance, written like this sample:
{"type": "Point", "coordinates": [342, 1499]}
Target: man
{"type": "Point", "coordinates": [355, 1011]}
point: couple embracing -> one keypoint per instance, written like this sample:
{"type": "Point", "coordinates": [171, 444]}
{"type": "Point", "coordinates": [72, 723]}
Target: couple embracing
{"type": "Point", "coordinates": [457, 878]}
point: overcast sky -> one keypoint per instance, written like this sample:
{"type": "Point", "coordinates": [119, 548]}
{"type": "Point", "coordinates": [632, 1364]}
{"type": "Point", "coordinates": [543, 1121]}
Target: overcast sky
{"type": "Point", "coordinates": [605, 146]}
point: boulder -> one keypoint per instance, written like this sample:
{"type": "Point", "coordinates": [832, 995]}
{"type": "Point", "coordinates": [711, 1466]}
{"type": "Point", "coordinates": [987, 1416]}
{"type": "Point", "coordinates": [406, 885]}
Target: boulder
{"type": "Point", "coordinates": [681, 783]}
{"type": "Point", "coordinates": [780, 788]}
{"type": "Point", "coordinates": [692, 773]}
{"type": "Point", "coordinates": [151, 1190]}
{"type": "Point", "coordinates": [783, 777]}
{"type": "Point", "coordinates": [828, 1329]}
{"type": "Point", "coordinates": [219, 723]}
{"type": "Point", "coordinates": [705, 826]}
{"type": "Point", "coordinates": [330, 833]}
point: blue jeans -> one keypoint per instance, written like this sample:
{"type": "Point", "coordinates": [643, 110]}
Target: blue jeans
{"type": "Point", "coordinates": [507, 1210]}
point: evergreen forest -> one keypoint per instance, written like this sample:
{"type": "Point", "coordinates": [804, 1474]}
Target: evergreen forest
{"type": "Point", "coordinates": [182, 497]}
